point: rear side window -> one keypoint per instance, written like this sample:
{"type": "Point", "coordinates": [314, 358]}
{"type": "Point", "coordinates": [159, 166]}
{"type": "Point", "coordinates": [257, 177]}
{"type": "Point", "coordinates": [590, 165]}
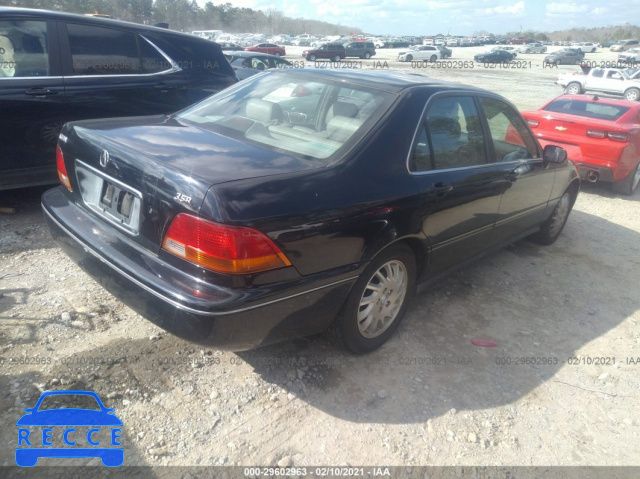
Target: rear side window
{"type": "Point", "coordinates": [509, 134]}
{"type": "Point", "coordinates": [24, 49]}
{"type": "Point", "coordinates": [452, 136]}
{"type": "Point", "coordinates": [103, 51]}
{"type": "Point", "coordinates": [587, 109]}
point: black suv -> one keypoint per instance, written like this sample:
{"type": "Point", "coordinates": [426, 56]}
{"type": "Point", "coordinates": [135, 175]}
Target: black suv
{"type": "Point", "coordinates": [360, 49]}
{"type": "Point", "coordinates": [56, 67]}
{"type": "Point", "coordinates": [331, 51]}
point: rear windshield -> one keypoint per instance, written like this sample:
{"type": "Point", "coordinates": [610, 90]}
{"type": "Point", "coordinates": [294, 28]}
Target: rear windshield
{"type": "Point", "coordinates": [300, 114]}
{"type": "Point", "coordinates": [601, 111]}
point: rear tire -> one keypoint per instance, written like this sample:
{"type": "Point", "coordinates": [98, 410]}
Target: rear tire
{"type": "Point", "coordinates": [336, 58]}
{"type": "Point", "coordinates": [573, 88]}
{"type": "Point", "coordinates": [629, 185]}
{"type": "Point", "coordinates": [367, 55]}
{"type": "Point", "coordinates": [377, 302]}
{"type": "Point", "coordinates": [278, 54]}
{"type": "Point", "coordinates": [632, 94]}
{"type": "Point", "coordinates": [552, 227]}
{"type": "Point", "coordinates": [433, 58]}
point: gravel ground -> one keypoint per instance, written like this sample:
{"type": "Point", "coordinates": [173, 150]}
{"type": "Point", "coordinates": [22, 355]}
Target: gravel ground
{"type": "Point", "coordinates": [560, 388]}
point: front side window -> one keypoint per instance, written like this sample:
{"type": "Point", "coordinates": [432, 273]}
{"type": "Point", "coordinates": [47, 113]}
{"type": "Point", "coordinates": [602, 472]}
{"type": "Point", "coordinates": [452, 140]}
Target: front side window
{"type": "Point", "coordinates": [103, 51]}
{"type": "Point", "coordinates": [293, 113]}
{"type": "Point", "coordinates": [509, 134]}
{"type": "Point", "coordinates": [452, 136]}
{"type": "Point", "coordinates": [24, 49]}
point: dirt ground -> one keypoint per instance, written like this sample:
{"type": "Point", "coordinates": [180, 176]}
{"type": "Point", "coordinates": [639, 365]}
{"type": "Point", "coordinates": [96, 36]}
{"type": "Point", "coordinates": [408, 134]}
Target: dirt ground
{"type": "Point", "coordinates": [561, 387]}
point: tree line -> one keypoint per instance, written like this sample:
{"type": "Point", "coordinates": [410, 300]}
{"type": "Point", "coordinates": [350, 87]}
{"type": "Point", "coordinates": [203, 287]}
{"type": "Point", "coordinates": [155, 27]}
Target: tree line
{"type": "Point", "coordinates": [187, 15]}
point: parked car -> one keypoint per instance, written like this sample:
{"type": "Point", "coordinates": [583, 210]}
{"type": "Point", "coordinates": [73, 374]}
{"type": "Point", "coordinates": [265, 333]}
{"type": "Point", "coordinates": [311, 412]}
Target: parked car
{"type": "Point", "coordinates": [360, 49]}
{"type": "Point", "coordinates": [617, 81]}
{"type": "Point", "coordinates": [588, 47]}
{"type": "Point", "coordinates": [630, 56]}
{"type": "Point", "coordinates": [229, 46]}
{"type": "Point", "coordinates": [566, 56]}
{"type": "Point", "coordinates": [511, 49]}
{"type": "Point", "coordinates": [601, 136]}
{"type": "Point", "coordinates": [420, 53]}
{"type": "Point", "coordinates": [444, 51]}
{"type": "Point", "coordinates": [624, 45]}
{"type": "Point", "coordinates": [297, 201]}
{"type": "Point", "coordinates": [494, 56]}
{"type": "Point", "coordinates": [246, 64]}
{"type": "Point", "coordinates": [532, 48]}
{"type": "Point", "coordinates": [58, 67]}
{"type": "Point", "coordinates": [330, 51]}
{"type": "Point", "coordinates": [608, 44]}
{"type": "Point", "coordinates": [270, 48]}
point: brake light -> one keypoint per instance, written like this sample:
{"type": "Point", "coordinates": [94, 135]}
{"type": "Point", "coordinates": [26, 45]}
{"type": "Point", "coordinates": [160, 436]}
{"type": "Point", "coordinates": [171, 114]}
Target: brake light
{"type": "Point", "coordinates": [62, 169]}
{"type": "Point", "coordinates": [617, 136]}
{"type": "Point", "coordinates": [596, 134]}
{"type": "Point", "coordinates": [222, 248]}
{"type": "Point", "coordinates": [533, 123]}
{"type": "Point", "coordinates": [612, 135]}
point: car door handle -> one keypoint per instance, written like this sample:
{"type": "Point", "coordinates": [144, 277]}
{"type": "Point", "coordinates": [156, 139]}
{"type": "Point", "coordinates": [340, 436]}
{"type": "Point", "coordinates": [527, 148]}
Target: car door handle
{"type": "Point", "coordinates": [439, 190]}
{"type": "Point", "coordinates": [163, 87]}
{"type": "Point", "coordinates": [40, 92]}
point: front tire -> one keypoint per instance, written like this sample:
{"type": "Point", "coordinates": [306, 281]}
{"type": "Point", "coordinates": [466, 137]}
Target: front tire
{"type": "Point", "coordinates": [632, 94]}
{"type": "Point", "coordinates": [377, 302]}
{"type": "Point", "coordinates": [433, 58]}
{"type": "Point", "coordinates": [278, 54]}
{"type": "Point", "coordinates": [311, 58]}
{"type": "Point", "coordinates": [551, 229]}
{"type": "Point", "coordinates": [573, 88]}
{"type": "Point", "coordinates": [629, 185]}
{"type": "Point", "coordinates": [336, 58]}
{"type": "Point", "coordinates": [409, 58]}
{"type": "Point", "coordinates": [367, 55]}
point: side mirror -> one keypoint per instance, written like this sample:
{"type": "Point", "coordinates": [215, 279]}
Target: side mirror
{"type": "Point", "coordinates": [554, 154]}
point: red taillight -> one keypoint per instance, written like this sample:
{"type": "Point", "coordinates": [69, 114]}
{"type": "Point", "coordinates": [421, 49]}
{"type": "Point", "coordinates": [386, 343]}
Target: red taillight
{"type": "Point", "coordinates": [62, 169]}
{"type": "Point", "coordinates": [612, 135]}
{"type": "Point", "coordinates": [533, 123]}
{"type": "Point", "coordinates": [222, 248]}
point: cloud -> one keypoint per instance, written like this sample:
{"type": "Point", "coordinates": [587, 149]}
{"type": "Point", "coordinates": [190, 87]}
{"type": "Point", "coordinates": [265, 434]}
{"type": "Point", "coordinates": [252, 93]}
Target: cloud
{"type": "Point", "coordinates": [556, 9]}
{"type": "Point", "coordinates": [515, 9]}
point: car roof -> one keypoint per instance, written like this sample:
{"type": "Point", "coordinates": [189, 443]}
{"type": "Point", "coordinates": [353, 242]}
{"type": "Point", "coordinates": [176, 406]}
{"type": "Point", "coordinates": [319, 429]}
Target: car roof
{"type": "Point", "coordinates": [601, 99]}
{"type": "Point", "coordinates": [87, 19]}
{"type": "Point", "coordinates": [245, 53]}
{"type": "Point", "coordinates": [393, 81]}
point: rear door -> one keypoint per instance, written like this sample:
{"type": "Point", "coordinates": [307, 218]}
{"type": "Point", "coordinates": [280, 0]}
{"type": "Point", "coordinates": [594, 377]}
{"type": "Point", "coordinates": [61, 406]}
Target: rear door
{"type": "Point", "coordinates": [459, 190]}
{"type": "Point", "coordinates": [32, 103]}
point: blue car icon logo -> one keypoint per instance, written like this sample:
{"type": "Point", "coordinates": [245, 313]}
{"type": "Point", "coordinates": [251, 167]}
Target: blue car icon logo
{"type": "Point", "coordinates": [85, 428]}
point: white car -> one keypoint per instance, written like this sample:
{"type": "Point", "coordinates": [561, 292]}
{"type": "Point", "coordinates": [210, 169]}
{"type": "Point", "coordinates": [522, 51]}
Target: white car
{"type": "Point", "coordinates": [630, 56]}
{"type": "Point", "coordinates": [587, 47]}
{"type": "Point", "coordinates": [509, 48]}
{"type": "Point", "coordinates": [420, 53]}
{"type": "Point", "coordinates": [532, 48]}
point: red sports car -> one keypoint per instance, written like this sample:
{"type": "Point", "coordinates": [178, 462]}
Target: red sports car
{"type": "Point", "coordinates": [601, 136]}
{"type": "Point", "coordinates": [270, 48]}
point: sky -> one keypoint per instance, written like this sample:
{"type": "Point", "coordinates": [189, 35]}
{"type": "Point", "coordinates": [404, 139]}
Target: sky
{"type": "Point", "coordinates": [464, 17]}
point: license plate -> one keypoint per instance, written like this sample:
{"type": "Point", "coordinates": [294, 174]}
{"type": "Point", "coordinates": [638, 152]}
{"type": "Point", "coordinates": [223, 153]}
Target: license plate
{"type": "Point", "coordinates": [110, 198]}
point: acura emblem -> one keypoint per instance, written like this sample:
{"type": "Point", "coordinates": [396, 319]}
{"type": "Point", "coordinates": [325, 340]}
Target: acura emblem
{"type": "Point", "coordinates": [104, 158]}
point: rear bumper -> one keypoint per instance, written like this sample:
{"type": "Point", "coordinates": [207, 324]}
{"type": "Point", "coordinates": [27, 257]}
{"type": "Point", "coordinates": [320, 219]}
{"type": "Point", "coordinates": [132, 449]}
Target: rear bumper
{"type": "Point", "coordinates": [587, 170]}
{"type": "Point", "coordinates": [186, 306]}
